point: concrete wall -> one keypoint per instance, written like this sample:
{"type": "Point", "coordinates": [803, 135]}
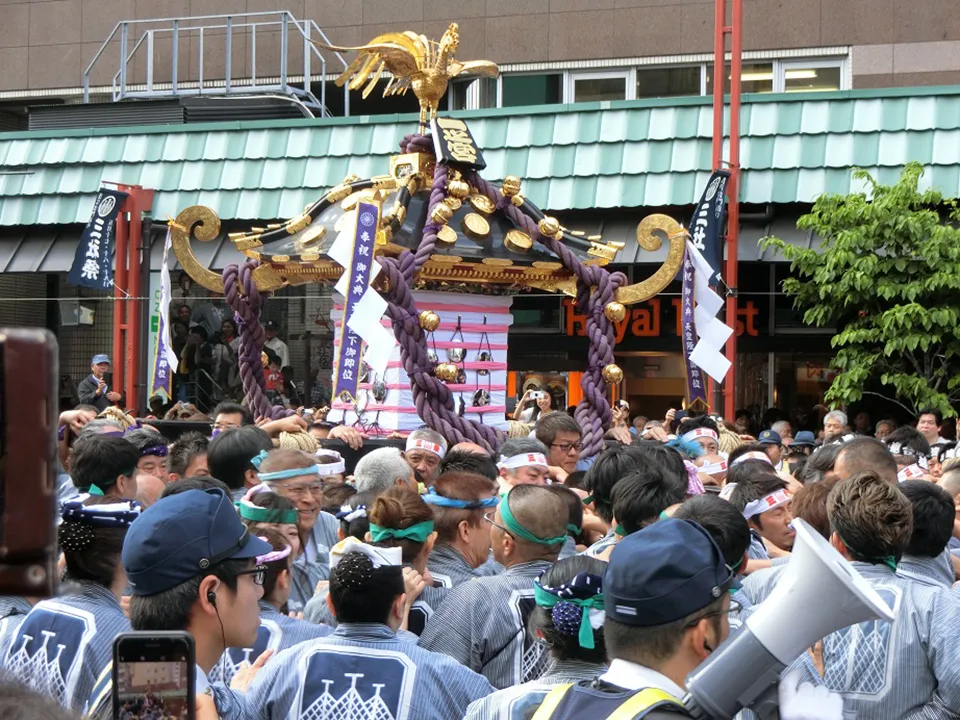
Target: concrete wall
{"type": "Point", "coordinates": [47, 43]}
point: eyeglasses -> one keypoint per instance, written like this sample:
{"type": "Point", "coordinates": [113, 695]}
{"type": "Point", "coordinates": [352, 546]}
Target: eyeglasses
{"type": "Point", "coordinates": [299, 490]}
{"type": "Point", "coordinates": [259, 574]}
{"type": "Point", "coordinates": [567, 447]}
{"type": "Point", "coordinates": [735, 607]}
{"type": "Point", "coordinates": [489, 518]}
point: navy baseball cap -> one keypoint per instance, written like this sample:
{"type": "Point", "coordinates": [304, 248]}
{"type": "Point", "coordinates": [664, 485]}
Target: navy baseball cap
{"type": "Point", "coordinates": [804, 438]}
{"type": "Point", "coordinates": [663, 573]}
{"type": "Point", "coordinates": [769, 437]}
{"type": "Point", "coordinates": [97, 359]}
{"type": "Point", "coordinates": [183, 536]}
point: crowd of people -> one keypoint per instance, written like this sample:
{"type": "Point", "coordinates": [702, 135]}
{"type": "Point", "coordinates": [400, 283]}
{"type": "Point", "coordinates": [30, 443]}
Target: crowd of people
{"type": "Point", "coordinates": [323, 574]}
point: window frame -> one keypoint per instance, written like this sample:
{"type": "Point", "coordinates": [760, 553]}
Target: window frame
{"type": "Point", "coordinates": [782, 66]}
{"type": "Point", "coordinates": [629, 76]}
{"type": "Point", "coordinates": [570, 76]}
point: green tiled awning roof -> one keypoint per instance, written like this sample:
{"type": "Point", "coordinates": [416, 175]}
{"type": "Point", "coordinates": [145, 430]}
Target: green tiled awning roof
{"type": "Point", "coordinates": [597, 155]}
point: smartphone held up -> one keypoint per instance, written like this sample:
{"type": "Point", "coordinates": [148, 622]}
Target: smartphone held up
{"type": "Point", "coordinates": [154, 675]}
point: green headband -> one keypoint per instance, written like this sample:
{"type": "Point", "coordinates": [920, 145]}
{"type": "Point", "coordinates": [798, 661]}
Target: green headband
{"type": "Point", "coordinates": [548, 600]}
{"type": "Point", "coordinates": [890, 561]}
{"type": "Point", "coordinates": [574, 529]}
{"type": "Point", "coordinates": [418, 533]}
{"type": "Point", "coordinates": [519, 530]}
{"type": "Point", "coordinates": [257, 514]}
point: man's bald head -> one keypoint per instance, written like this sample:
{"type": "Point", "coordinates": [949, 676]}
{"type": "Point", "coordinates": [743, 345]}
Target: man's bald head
{"type": "Point", "coordinates": [469, 447]}
{"type": "Point", "coordinates": [864, 454]}
{"type": "Point", "coordinates": [540, 512]}
{"type": "Point", "coordinates": [950, 481]}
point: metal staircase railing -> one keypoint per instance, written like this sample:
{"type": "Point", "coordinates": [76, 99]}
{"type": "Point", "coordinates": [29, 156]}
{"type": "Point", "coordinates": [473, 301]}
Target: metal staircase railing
{"type": "Point", "coordinates": [279, 80]}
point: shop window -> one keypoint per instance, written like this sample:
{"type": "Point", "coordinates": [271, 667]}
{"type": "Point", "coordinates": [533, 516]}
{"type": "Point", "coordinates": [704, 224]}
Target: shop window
{"type": "Point", "coordinates": [597, 87]}
{"type": "Point", "coordinates": [657, 82]}
{"type": "Point", "coordinates": [531, 90]}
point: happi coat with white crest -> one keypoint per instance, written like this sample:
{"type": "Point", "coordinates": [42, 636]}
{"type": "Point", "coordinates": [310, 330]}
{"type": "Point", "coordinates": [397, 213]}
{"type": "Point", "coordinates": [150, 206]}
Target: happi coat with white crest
{"type": "Point", "coordinates": [907, 668]}
{"type": "Point", "coordinates": [313, 564]}
{"type": "Point", "coordinates": [277, 632]}
{"type": "Point", "coordinates": [65, 643]}
{"type": "Point", "coordinates": [482, 624]}
{"type": "Point", "coordinates": [362, 671]}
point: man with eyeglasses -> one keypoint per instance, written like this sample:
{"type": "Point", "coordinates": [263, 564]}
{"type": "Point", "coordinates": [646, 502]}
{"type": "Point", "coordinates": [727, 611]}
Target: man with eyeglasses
{"type": "Point", "coordinates": [561, 434]}
{"type": "Point", "coordinates": [193, 565]}
{"type": "Point", "coordinates": [300, 477]}
{"type": "Point", "coordinates": [482, 623]}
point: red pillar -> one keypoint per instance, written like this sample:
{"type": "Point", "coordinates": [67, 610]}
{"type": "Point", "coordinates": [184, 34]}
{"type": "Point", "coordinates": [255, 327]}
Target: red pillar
{"type": "Point", "coordinates": [127, 292]}
{"type": "Point", "coordinates": [733, 193]}
{"type": "Point", "coordinates": [720, 31]}
{"type": "Point", "coordinates": [120, 306]}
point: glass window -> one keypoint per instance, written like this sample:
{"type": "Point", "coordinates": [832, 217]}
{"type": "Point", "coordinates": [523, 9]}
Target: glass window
{"type": "Point", "coordinates": [811, 79]}
{"type": "Point", "coordinates": [754, 78]}
{"type": "Point", "coordinates": [531, 90]}
{"type": "Point", "coordinates": [472, 94]}
{"type": "Point", "coordinates": [486, 92]}
{"type": "Point", "coordinates": [668, 81]}
{"type": "Point", "coordinates": [588, 88]}
{"type": "Point", "coordinates": [458, 95]}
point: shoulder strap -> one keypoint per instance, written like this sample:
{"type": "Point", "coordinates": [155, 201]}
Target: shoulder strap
{"type": "Point", "coordinates": [550, 702]}
{"type": "Point", "coordinates": [639, 704]}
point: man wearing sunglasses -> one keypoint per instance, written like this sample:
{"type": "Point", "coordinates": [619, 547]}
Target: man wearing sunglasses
{"type": "Point", "coordinates": [192, 565]}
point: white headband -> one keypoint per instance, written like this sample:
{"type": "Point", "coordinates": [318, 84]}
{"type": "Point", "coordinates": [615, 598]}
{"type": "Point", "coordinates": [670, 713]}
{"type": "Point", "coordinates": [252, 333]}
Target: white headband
{"type": "Point", "coordinates": [768, 502]}
{"type": "Point", "coordinates": [523, 460]}
{"type": "Point", "coordinates": [713, 468]}
{"type": "Point", "coordinates": [727, 490]}
{"type": "Point", "coordinates": [335, 468]}
{"type": "Point", "coordinates": [753, 455]}
{"type": "Point", "coordinates": [421, 444]}
{"type": "Point", "coordinates": [911, 472]}
{"type": "Point", "coordinates": [699, 433]}
{"type": "Point", "coordinates": [380, 556]}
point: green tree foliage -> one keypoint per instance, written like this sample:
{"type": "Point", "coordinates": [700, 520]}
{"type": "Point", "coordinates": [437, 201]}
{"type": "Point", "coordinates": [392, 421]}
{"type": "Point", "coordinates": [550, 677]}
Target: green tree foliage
{"type": "Point", "coordinates": [887, 276]}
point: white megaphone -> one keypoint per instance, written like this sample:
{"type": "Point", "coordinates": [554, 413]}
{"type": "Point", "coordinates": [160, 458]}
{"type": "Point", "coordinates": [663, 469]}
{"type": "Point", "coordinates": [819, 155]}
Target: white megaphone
{"type": "Point", "coordinates": [818, 593]}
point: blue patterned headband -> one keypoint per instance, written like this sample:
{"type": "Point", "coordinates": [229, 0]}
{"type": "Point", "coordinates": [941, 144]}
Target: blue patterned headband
{"type": "Point", "coordinates": [432, 497]}
{"type": "Point", "coordinates": [109, 515]}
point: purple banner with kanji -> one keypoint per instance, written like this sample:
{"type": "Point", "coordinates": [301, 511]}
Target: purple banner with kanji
{"type": "Point", "coordinates": [165, 361]}
{"type": "Point", "coordinates": [347, 371]}
{"type": "Point", "coordinates": [696, 389]}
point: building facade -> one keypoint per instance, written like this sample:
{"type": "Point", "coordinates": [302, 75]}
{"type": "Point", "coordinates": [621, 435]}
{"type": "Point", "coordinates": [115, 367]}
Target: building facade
{"type": "Point", "coordinates": [603, 107]}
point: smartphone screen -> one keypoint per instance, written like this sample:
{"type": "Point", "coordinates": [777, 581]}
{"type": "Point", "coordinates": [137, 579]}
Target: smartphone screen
{"type": "Point", "coordinates": [154, 676]}
{"type": "Point", "coordinates": [108, 379]}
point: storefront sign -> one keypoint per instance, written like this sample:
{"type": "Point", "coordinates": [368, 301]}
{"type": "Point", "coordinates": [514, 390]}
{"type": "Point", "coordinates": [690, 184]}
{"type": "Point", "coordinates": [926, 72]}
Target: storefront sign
{"type": "Point", "coordinates": [658, 317]}
{"type": "Point", "coordinates": [93, 262]}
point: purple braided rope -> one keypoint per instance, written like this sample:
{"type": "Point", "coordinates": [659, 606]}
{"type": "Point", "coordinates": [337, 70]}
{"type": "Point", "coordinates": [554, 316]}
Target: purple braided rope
{"type": "Point", "coordinates": [593, 413]}
{"type": "Point", "coordinates": [433, 399]}
{"type": "Point", "coordinates": [245, 301]}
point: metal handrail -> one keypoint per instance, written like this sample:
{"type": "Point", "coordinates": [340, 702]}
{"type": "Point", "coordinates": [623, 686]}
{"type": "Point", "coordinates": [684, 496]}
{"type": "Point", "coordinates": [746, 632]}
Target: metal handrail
{"type": "Point", "coordinates": [196, 26]}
